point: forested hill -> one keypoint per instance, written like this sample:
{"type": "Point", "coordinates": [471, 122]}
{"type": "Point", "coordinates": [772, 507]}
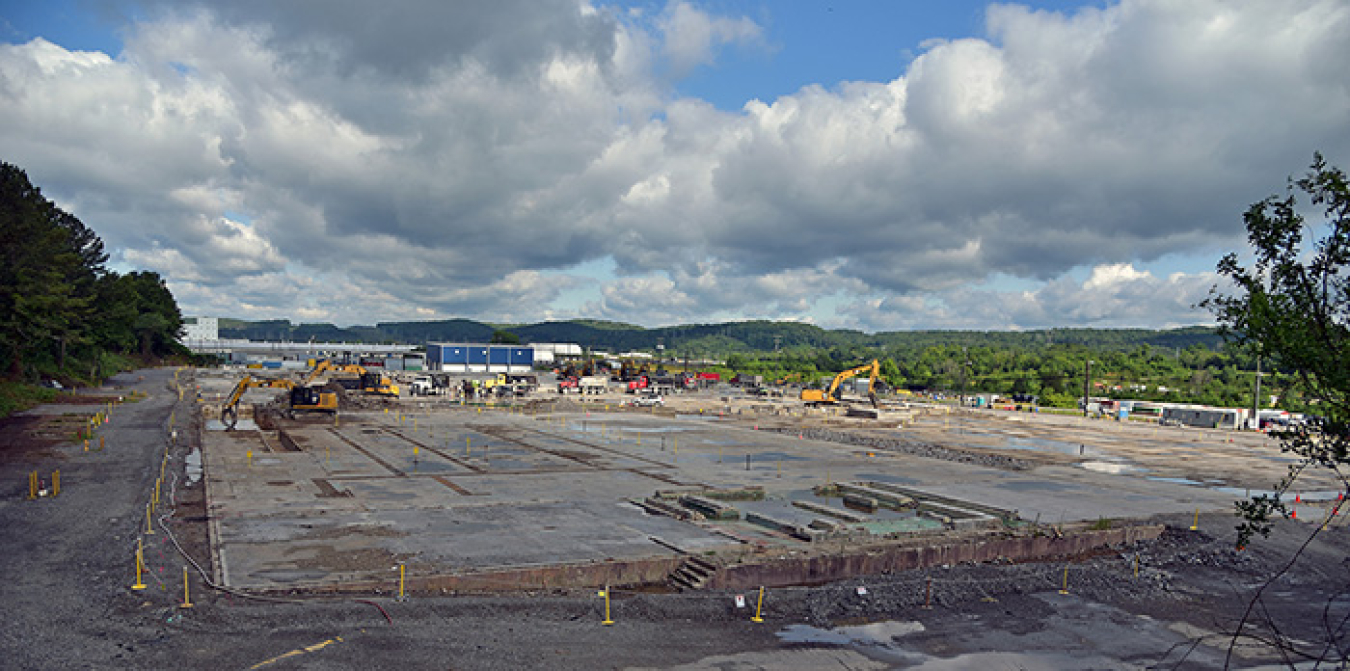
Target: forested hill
{"type": "Point", "coordinates": [63, 314]}
{"type": "Point", "coordinates": [748, 336]}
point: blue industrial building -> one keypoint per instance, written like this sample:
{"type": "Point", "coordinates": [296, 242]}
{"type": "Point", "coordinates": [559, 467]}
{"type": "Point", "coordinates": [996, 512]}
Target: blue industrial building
{"type": "Point", "coordinates": [479, 358]}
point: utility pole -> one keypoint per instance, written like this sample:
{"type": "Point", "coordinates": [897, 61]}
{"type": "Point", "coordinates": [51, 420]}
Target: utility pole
{"type": "Point", "coordinates": [965, 361]}
{"type": "Point", "coordinates": [1256, 398]}
{"type": "Point", "coordinates": [1087, 376]}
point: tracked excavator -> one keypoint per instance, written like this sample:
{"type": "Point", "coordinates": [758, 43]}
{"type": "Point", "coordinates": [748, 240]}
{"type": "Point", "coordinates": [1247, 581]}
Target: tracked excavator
{"type": "Point", "coordinates": [303, 398]}
{"type": "Point", "coordinates": [829, 396]}
{"type": "Point", "coordinates": [368, 381]}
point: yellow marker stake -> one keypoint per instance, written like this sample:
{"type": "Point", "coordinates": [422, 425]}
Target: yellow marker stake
{"type": "Point", "coordinates": [400, 581]}
{"type": "Point", "coordinates": [759, 609]}
{"type": "Point", "coordinates": [607, 621]}
{"type": "Point", "coordinates": [149, 530]}
{"type": "Point", "coordinates": [56, 483]}
{"type": "Point", "coordinates": [1195, 525]}
{"type": "Point", "coordinates": [466, 446]}
{"type": "Point", "coordinates": [139, 584]}
{"type": "Point", "coordinates": [1065, 588]}
{"type": "Point", "coordinates": [32, 485]}
{"type": "Point", "coordinates": [187, 602]}
{"type": "Point", "coordinates": [157, 481]}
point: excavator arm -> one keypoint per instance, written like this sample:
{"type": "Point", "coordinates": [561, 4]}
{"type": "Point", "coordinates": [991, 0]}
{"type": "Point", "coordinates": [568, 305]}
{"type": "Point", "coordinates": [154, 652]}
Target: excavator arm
{"type": "Point", "coordinates": [830, 395]}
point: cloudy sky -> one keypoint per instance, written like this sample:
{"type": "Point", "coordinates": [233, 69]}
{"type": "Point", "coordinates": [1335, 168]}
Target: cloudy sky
{"type": "Point", "coordinates": [871, 164]}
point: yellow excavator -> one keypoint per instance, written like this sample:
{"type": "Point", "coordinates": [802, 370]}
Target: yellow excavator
{"type": "Point", "coordinates": [370, 382]}
{"type": "Point", "coordinates": [829, 396]}
{"type": "Point", "coordinates": [303, 398]}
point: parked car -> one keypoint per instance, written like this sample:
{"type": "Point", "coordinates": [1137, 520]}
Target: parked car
{"type": "Point", "coordinates": [648, 401]}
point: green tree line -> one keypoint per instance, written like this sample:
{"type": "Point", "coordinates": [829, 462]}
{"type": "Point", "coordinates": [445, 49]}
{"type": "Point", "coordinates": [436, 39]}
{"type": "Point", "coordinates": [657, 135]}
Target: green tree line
{"type": "Point", "coordinates": [63, 314]}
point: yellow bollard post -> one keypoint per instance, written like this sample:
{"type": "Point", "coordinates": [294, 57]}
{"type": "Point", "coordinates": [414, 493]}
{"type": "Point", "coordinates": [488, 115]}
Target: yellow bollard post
{"type": "Point", "coordinates": [1195, 525]}
{"type": "Point", "coordinates": [157, 481]}
{"type": "Point", "coordinates": [466, 446]}
{"type": "Point", "coordinates": [759, 609]}
{"type": "Point", "coordinates": [149, 530]}
{"type": "Point", "coordinates": [86, 444]}
{"type": "Point", "coordinates": [187, 601]}
{"type": "Point", "coordinates": [249, 456]}
{"type": "Point", "coordinates": [607, 621]}
{"type": "Point", "coordinates": [139, 584]}
{"type": "Point", "coordinates": [400, 581]}
{"type": "Point", "coordinates": [32, 485]}
{"type": "Point", "coordinates": [1065, 588]}
{"type": "Point", "coordinates": [56, 483]}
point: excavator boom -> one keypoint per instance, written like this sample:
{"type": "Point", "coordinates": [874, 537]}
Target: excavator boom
{"type": "Point", "coordinates": [830, 395]}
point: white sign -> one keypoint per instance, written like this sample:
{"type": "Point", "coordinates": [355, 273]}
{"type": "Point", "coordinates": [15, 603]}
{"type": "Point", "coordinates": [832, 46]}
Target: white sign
{"type": "Point", "coordinates": [740, 601]}
{"type": "Point", "coordinates": [862, 591]}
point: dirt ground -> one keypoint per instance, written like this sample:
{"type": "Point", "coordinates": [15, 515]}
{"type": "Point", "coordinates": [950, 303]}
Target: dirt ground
{"type": "Point", "coordinates": [68, 567]}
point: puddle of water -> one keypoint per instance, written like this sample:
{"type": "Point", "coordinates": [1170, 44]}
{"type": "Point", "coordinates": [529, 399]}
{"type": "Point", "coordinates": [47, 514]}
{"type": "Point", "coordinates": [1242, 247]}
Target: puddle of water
{"type": "Point", "coordinates": [193, 466]}
{"type": "Point", "coordinates": [241, 425]}
{"type": "Point", "coordinates": [886, 477]}
{"type": "Point", "coordinates": [776, 456]}
{"type": "Point", "coordinates": [1111, 467]}
{"type": "Point", "coordinates": [1045, 445]}
{"type": "Point", "coordinates": [1035, 486]}
{"type": "Point", "coordinates": [879, 634]}
{"type": "Point", "coordinates": [1175, 481]}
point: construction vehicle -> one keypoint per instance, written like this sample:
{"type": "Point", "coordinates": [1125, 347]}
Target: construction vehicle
{"type": "Point", "coordinates": [367, 381]}
{"type": "Point", "coordinates": [302, 398]}
{"type": "Point", "coordinates": [829, 395]}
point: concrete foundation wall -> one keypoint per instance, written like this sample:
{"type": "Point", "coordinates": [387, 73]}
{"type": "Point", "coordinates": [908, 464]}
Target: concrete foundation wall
{"type": "Point", "coordinates": [651, 571]}
{"type": "Point", "coordinates": [826, 568]}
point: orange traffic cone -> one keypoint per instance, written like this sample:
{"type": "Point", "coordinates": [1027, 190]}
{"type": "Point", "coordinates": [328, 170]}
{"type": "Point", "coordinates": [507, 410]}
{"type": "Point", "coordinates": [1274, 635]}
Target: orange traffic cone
{"type": "Point", "coordinates": [1294, 514]}
{"type": "Point", "coordinates": [1298, 498]}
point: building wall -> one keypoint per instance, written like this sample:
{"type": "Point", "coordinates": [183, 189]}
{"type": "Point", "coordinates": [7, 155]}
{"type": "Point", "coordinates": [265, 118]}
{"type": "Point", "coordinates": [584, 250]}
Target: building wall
{"type": "Point", "coordinates": [201, 328]}
{"type": "Point", "coordinates": [479, 358]}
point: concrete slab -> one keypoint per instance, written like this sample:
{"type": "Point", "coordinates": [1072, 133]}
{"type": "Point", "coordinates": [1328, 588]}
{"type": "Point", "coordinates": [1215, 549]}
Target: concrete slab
{"type": "Point", "coordinates": [451, 489]}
